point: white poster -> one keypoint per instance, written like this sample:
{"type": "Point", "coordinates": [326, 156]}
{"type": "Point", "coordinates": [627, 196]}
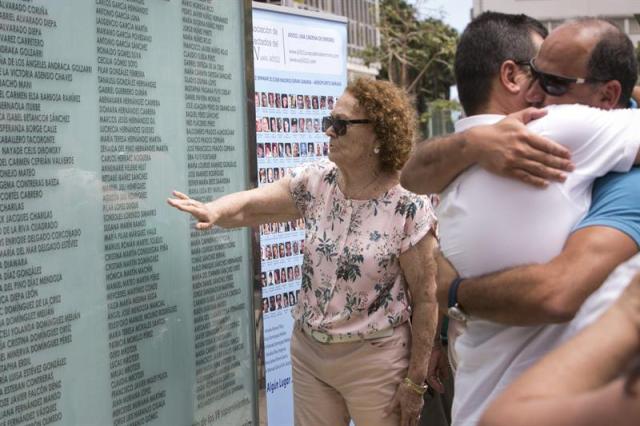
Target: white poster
{"type": "Point", "coordinates": [300, 70]}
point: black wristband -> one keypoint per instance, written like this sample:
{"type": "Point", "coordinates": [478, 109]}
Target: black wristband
{"type": "Point", "coordinates": [453, 292]}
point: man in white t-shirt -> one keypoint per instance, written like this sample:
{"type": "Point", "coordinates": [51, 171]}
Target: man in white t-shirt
{"type": "Point", "coordinates": [488, 222]}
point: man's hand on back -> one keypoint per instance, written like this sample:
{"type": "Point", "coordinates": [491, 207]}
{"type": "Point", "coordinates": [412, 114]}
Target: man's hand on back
{"type": "Point", "coordinates": [510, 149]}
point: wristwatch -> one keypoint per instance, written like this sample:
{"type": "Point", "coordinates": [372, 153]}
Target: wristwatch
{"type": "Point", "coordinates": [455, 311]}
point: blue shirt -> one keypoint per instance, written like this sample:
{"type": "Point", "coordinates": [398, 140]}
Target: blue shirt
{"type": "Point", "coordinates": [616, 204]}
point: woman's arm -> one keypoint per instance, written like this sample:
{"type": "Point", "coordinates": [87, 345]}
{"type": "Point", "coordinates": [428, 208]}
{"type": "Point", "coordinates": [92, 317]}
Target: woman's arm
{"type": "Point", "coordinates": [418, 267]}
{"type": "Point", "coordinates": [575, 384]}
{"type": "Point", "coordinates": [270, 203]}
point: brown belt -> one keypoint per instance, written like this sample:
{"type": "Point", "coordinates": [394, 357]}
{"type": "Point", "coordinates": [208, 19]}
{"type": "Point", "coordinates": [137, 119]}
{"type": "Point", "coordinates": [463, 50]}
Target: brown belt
{"type": "Point", "coordinates": [326, 338]}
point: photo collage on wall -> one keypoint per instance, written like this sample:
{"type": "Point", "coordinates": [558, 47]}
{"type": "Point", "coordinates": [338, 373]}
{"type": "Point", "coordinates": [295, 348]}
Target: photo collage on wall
{"type": "Point", "coordinates": [289, 133]}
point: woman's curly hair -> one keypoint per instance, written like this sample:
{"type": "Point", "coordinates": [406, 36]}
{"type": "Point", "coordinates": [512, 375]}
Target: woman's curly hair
{"type": "Point", "coordinates": [393, 118]}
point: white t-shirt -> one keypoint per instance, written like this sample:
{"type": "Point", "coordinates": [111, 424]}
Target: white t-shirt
{"type": "Point", "coordinates": [489, 223]}
{"type": "Point", "coordinates": [601, 299]}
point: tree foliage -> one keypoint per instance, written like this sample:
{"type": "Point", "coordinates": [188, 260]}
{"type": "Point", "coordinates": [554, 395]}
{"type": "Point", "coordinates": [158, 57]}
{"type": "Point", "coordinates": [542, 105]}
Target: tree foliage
{"type": "Point", "coordinates": [415, 53]}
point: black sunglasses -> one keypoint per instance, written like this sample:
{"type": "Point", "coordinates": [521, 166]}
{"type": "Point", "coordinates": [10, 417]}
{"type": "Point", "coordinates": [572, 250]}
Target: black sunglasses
{"type": "Point", "coordinates": [556, 85]}
{"type": "Point", "coordinates": [339, 125]}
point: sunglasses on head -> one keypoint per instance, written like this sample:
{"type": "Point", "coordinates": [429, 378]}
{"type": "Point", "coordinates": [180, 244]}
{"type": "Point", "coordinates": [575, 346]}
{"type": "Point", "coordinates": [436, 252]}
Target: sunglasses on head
{"type": "Point", "coordinates": [556, 85]}
{"type": "Point", "coordinates": [339, 125]}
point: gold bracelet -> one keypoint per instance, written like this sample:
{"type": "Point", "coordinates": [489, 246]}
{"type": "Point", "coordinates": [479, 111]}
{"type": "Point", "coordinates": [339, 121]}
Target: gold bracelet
{"type": "Point", "coordinates": [419, 389]}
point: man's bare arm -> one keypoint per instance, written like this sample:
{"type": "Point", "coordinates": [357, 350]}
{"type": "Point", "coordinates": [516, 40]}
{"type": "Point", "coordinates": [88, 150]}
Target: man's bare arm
{"type": "Point", "coordinates": [579, 383]}
{"type": "Point", "coordinates": [507, 148]}
{"type": "Point", "coordinates": [435, 163]}
{"type": "Point", "coordinates": [547, 293]}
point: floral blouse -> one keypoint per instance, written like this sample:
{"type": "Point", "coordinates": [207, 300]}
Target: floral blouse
{"type": "Point", "coordinates": [352, 283]}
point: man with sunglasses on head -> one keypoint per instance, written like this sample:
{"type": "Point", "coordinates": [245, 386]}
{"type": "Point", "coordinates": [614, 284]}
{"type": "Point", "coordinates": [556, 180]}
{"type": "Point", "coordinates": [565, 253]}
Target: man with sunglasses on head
{"type": "Point", "coordinates": [489, 222]}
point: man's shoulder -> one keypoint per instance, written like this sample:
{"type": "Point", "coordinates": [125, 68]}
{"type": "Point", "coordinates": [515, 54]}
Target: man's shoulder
{"type": "Point", "coordinates": [628, 182]}
{"type": "Point", "coordinates": [561, 115]}
{"type": "Point", "coordinates": [569, 125]}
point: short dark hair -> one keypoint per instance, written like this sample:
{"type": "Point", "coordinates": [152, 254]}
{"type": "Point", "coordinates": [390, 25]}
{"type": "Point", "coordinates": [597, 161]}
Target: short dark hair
{"type": "Point", "coordinates": [488, 41]}
{"type": "Point", "coordinates": [614, 58]}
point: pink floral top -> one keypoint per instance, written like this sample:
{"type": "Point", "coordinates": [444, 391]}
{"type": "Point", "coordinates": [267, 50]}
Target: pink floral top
{"type": "Point", "coordinates": [351, 277]}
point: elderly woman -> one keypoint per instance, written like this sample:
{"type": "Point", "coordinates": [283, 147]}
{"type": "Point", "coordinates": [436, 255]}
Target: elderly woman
{"type": "Point", "coordinates": [367, 265]}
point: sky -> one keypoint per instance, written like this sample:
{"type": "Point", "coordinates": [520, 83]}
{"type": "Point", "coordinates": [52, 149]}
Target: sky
{"type": "Point", "coordinates": [454, 12]}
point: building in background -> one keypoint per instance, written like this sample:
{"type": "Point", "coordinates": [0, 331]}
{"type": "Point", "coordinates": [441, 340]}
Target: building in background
{"type": "Point", "coordinates": [552, 13]}
{"type": "Point", "coordinates": [362, 31]}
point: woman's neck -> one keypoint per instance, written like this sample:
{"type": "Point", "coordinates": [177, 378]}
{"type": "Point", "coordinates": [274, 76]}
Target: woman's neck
{"type": "Point", "coordinates": [363, 183]}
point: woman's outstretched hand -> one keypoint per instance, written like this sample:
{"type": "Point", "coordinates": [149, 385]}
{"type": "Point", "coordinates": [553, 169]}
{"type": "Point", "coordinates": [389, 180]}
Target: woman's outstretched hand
{"type": "Point", "coordinates": [202, 212]}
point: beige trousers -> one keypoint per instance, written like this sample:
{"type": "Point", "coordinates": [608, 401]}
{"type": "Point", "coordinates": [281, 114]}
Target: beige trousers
{"type": "Point", "coordinates": [333, 383]}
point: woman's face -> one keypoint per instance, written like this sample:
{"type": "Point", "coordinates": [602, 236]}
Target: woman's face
{"type": "Point", "coordinates": [359, 140]}
{"type": "Point", "coordinates": [265, 124]}
{"type": "Point", "coordinates": [296, 150]}
{"type": "Point", "coordinates": [285, 101]}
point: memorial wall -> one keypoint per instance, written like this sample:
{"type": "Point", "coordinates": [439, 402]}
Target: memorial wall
{"type": "Point", "coordinates": [113, 308]}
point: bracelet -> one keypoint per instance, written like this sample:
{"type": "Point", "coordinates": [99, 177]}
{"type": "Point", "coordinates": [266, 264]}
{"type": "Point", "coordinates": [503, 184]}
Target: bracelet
{"type": "Point", "coordinates": [419, 389]}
